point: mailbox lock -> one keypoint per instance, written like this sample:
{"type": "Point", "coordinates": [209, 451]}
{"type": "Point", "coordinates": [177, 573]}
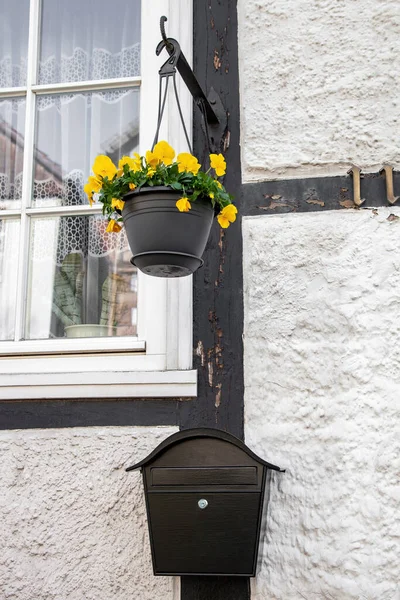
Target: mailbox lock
{"type": "Point", "coordinates": [202, 503]}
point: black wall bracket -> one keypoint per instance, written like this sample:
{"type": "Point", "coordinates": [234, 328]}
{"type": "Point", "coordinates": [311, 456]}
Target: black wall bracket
{"type": "Point", "coordinates": [214, 113]}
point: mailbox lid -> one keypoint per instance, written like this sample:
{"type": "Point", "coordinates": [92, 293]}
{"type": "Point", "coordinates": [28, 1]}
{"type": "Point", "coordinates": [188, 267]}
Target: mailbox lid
{"type": "Point", "coordinates": [206, 443]}
{"type": "Point", "coordinates": [221, 539]}
{"type": "Point", "coordinates": [203, 463]}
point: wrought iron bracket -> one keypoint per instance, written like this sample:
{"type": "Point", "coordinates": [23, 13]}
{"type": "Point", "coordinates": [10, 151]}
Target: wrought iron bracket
{"type": "Point", "coordinates": [214, 114]}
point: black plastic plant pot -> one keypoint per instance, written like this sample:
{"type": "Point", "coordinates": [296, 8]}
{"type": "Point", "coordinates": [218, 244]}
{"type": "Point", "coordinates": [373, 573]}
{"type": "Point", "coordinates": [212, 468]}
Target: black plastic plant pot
{"type": "Point", "coordinates": [164, 241]}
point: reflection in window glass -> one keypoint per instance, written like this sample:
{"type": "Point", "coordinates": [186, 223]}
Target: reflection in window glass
{"type": "Point", "coordinates": [89, 40]}
{"type": "Point", "coordinates": [14, 24]}
{"type": "Point", "coordinates": [80, 280]}
{"type": "Point", "coordinates": [9, 251]}
{"type": "Point", "coordinates": [12, 128]}
{"type": "Point", "coordinates": [72, 129]}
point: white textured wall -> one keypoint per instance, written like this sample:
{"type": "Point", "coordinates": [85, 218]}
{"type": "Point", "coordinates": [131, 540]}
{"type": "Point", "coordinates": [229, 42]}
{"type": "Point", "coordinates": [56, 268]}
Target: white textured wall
{"type": "Point", "coordinates": [320, 86]}
{"type": "Point", "coordinates": [73, 523]}
{"type": "Point", "coordinates": [322, 390]}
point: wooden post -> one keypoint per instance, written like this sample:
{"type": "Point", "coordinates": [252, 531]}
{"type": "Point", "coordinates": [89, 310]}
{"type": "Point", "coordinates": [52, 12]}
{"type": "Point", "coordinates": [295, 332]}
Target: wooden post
{"type": "Point", "coordinates": [218, 286]}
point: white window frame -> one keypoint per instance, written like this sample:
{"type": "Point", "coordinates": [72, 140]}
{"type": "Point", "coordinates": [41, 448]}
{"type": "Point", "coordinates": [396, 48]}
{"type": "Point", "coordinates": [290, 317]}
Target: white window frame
{"type": "Point", "coordinates": [158, 362]}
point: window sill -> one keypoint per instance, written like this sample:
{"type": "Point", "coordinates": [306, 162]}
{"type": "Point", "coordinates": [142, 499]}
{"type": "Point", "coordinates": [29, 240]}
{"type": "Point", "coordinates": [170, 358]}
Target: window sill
{"type": "Point", "coordinates": [81, 345]}
{"type": "Point", "coordinates": [98, 384]}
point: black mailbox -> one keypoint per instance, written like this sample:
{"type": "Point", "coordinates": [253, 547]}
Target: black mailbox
{"type": "Point", "coordinates": [204, 496]}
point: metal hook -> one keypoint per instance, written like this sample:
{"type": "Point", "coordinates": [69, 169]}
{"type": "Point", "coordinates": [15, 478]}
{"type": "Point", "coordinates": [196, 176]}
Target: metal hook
{"type": "Point", "coordinates": [163, 20]}
{"type": "Point", "coordinates": [174, 51]}
{"type": "Point", "coordinates": [388, 170]}
{"type": "Point", "coordinates": [356, 173]}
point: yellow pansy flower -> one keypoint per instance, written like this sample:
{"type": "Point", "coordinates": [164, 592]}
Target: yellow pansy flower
{"type": "Point", "coordinates": [116, 203]}
{"type": "Point", "coordinates": [132, 186]}
{"type": "Point", "coordinates": [164, 152]}
{"type": "Point", "coordinates": [137, 162]}
{"type": "Point", "coordinates": [89, 192]}
{"type": "Point", "coordinates": [211, 195]}
{"type": "Point", "coordinates": [134, 164]}
{"type": "Point", "coordinates": [227, 216]}
{"type": "Point", "coordinates": [113, 226]}
{"type": "Point", "coordinates": [219, 184]}
{"type": "Point", "coordinates": [183, 205]}
{"type": "Point", "coordinates": [188, 162]}
{"type": "Point", "coordinates": [103, 166]}
{"type": "Point", "coordinates": [93, 186]}
{"type": "Point", "coordinates": [152, 159]}
{"type": "Point", "coordinates": [218, 163]}
{"type": "Point", "coordinates": [151, 172]}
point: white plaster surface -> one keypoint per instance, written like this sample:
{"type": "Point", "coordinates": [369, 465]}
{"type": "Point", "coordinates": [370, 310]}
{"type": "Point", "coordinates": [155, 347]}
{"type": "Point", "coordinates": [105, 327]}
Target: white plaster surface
{"type": "Point", "coordinates": [320, 86]}
{"type": "Point", "coordinates": [73, 522]}
{"type": "Point", "coordinates": [322, 390]}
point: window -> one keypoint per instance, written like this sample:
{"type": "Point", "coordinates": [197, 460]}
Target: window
{"type": "Point", "coordinates": [74, 83]}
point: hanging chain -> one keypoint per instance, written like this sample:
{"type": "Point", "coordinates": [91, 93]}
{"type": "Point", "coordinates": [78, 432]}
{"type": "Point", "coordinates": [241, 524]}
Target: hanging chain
{"type": "Point", "coordinates": [161, 107]}
{"type": "Point", "coordinates": [167, 71]}
{"type": "Point", "coordinates": [181, 116]}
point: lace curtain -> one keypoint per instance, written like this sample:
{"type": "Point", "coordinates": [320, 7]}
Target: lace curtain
{"type": "Point", "coordinates": [12, 125]}
{"type": "Point", "coordinates": [79, 40]}
{"type": "Point", "coordinates": [56, 238]}
{"type": "Point", "coordinates": [10, 187]}
{"type": "Point", "coordinates": [9, 246]}
{"type": "Point", "coordinates": [78, 272]}
{"type": "Point", "coordinates": [100, 64]}
{"type": "Point", "coordinates": [80, 66]}
{"type": "Point", "coordinates": [12, 75]}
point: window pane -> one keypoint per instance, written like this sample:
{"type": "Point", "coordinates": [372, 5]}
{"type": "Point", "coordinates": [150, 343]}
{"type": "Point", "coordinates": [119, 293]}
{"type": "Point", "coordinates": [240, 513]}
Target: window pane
{"type": "Point", "coordinates": [12, 131]}
{"type": "Point", "coordinates": [90, 39]}
{"type": "Point", "coordinates": [71, 130]}
{"type": "Point", "coordinates": [9, 252]}
{"type": "Point", "coordinates": [14, 24]}
{"type": "Point", "coordinates": [79, 276]}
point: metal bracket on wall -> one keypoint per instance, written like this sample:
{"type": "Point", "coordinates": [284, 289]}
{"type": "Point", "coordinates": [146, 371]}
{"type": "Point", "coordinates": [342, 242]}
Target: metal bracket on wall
{"type": "Point", "coordinates": [388, 170]}
{"type": "Point", "coordinates": [356, 173]}
{"type": "Point", "coordinates": [214, 114]}
{"type": "Point", "coordinates": [215, 132]}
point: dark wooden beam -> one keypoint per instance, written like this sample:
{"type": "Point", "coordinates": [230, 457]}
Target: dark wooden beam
{"type": "Point", "coordinates": [313, 194]}
{"type": "Point", "coordinates": [42, 414]}
{"type": "Point", "coordinates": [215, 588]}
{"type": "Point", "coordinates": [218, 297]}
{"type": "Point", "coordinates": [218, 286]}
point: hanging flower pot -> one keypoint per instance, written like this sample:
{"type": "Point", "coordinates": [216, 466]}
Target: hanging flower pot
{"type": "Point", "coordinates": [167, 206]}
{"type": "Point", "coordinates": [164, 241]}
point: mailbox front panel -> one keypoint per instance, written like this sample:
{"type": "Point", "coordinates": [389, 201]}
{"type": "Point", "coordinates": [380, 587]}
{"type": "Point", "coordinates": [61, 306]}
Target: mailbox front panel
{"type": "Point", "coordinates": [204, 498]}
{"type": "Point", "coordinates": [220, 539]}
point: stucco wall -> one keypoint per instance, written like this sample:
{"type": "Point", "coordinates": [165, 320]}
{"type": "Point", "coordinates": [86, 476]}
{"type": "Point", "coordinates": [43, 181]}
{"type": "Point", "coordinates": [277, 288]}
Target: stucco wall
{"type": "Point", "coordinates": [322, 389]}
{"type": "Point", "coordinates": [319, 86]}
{"type": "Point", "coordinates": [73, 523]}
